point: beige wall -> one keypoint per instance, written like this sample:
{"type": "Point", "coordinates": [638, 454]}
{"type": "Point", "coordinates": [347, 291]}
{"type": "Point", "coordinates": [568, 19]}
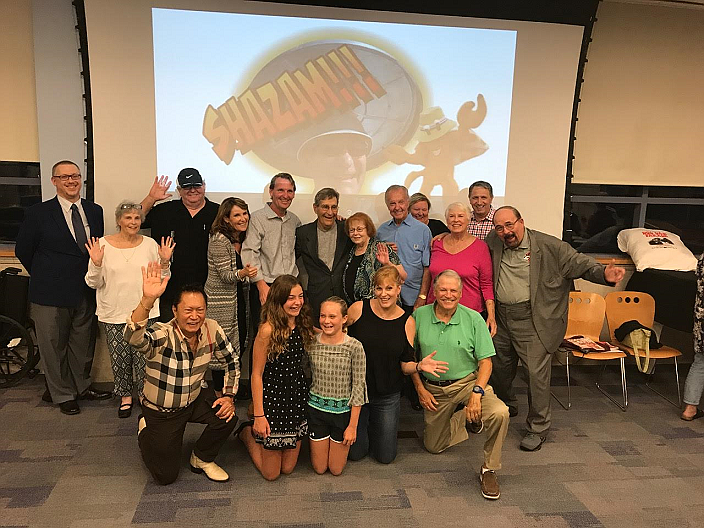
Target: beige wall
{"type": "Point", "coordinates": [641, 116]}
{"type": "Point", "coordinates": [18, 134]}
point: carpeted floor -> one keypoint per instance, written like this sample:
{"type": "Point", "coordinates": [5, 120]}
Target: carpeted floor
{"type": "Point", "coordinates": [600, 467]}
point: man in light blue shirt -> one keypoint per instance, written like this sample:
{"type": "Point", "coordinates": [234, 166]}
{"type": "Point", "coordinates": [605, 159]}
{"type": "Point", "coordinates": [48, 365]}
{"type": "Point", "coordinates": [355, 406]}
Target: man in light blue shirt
{"type": "Point", "coordinates": [411, 240]}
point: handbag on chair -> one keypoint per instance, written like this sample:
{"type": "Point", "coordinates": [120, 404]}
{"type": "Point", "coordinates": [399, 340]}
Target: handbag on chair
{"type": "Point", "coordinates": [641, 339]}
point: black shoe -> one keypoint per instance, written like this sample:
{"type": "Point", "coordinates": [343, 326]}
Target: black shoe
{"type": "Point", "coordinates": [94, 394]}
{"type": "Point", "coordinates": [46, 397]}
{"type": "Point", "coordinates": [240, 428]}
{"type": "Point", "coordinates": [512, 411]}
{"type": "Point", "coordinates": [124, 410]}
{"type": "Point", "coordinates": [475, 427]}
{"type": "Point", "coordinates": [69, 407]}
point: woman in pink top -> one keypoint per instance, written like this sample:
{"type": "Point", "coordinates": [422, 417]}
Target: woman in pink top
{"type": "Point", "coordinates": [469, 257]}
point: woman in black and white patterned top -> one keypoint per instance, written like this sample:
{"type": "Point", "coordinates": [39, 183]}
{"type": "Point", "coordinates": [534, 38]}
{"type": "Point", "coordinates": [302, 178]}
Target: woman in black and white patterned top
{"type": "Point", "coordinates": [279, 388]}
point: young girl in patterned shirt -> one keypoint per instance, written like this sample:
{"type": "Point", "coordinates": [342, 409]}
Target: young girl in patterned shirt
{"type": "Point", "coordinates": [338, 389]}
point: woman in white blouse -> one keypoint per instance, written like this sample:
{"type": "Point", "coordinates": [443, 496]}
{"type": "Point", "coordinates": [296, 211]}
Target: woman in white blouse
{"type": "Point", "coordinates": [115, 272]}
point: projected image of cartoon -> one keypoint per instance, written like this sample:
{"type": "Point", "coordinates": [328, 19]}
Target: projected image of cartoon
{"type": "Point", "coordinates": [443, 144]}
{"type": "Point", "coordinates": [352, 105]}
{"type": "Point", "coordinates": [324, 110]}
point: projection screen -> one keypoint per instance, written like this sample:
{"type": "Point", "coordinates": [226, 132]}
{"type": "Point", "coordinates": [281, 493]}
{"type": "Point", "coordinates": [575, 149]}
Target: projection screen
{"type": "Point", "coordinates": [350, 99]}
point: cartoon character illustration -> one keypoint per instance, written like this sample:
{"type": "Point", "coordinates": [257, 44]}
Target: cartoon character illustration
{"type": "Point", "coordinates": [442, 145]}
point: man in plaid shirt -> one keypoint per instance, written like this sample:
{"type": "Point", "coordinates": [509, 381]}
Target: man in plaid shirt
{"type": "Point", "coordinates": [178, 354]}
{"type": "Point", "coordinates": [481, 194]}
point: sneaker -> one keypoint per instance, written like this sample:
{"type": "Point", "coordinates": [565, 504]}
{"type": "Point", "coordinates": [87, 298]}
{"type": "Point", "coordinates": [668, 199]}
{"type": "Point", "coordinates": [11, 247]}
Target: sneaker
{"type": "Point", "coordinates": [490, 484]}
{"type": "Point", "coordinates": [211, 469]}
{"type": "Point", "coordinates": [532, 442]}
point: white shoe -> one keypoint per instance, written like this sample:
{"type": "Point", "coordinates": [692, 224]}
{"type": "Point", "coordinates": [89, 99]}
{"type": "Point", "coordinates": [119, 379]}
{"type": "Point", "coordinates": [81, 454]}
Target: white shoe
{"type": "Point", "coordinates": [211, 469]}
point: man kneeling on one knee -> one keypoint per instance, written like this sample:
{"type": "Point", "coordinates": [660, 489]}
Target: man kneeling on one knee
{"type": "Point", "coordinates": [178, 354]}
{"type": "Point", "coordinates": [460, 400]}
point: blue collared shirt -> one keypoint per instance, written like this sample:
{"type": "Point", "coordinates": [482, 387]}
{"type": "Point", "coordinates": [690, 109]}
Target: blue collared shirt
{"type": "Point", "coordinates": [413, 241]}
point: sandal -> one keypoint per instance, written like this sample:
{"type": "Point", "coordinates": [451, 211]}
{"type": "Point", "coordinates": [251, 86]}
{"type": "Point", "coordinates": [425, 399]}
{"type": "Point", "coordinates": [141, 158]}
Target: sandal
{"type": "Point", "coordinates": [125, 410]}
{"type": "Point", "coordinates": [696, 415]}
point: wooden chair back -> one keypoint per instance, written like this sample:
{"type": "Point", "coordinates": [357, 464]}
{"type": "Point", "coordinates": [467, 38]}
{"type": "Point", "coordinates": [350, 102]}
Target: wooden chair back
{"type": "Point", "coordinates": [585, 315]}
{"type": "Point", "coordinates": [622, 306]}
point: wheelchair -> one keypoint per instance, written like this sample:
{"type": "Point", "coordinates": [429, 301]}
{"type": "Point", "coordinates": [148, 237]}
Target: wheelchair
{"type": "Point", "coordinates": [18, 354]}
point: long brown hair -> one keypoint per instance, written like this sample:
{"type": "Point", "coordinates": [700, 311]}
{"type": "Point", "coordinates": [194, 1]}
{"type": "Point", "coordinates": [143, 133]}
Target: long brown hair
{"type": "Point", "coordinates": [274, 314]}
{"type": "Point", "coordinates": [225, 228]}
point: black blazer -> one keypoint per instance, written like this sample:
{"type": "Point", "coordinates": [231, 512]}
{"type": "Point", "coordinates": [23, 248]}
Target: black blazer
{"type": "Point", "coordinates": [46, 248]}
{"type": "Point", "coordinates": [322, 282]}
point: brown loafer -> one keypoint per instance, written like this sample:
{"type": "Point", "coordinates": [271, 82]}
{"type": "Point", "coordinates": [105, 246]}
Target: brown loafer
{"type": "Point", "coordinates": [490, 484]}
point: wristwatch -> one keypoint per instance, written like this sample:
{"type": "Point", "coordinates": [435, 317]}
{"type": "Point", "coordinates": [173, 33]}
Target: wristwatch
{"type": "Point", "coordinates": [478, 390]}
{"type": "Point", "coordinates": [421, 296]}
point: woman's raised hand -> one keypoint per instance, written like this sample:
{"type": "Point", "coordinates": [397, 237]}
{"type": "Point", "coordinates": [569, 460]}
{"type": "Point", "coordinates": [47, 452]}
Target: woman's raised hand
{"type": "Point", "coordinates": [382, 253]}
{"type": "Point", "coordinates": [166, 249]}
{"type": "Point", "coordinates": [95, 251]}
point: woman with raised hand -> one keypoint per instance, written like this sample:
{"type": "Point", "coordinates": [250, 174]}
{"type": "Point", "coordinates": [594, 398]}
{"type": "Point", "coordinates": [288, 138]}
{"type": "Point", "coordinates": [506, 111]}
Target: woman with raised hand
{"type": "Point", "coordinates": [367, 256]}
{"type": "Point", "coordinates": [279, 389]}
{"type": "Point", "coordinates": [386, 332]}
{"type": "Point", "coordinates": [115, 272]}
{"type": "Point", "coordinates": [228, 286]}
{"type": "Point", "coordinates": [338, 389]}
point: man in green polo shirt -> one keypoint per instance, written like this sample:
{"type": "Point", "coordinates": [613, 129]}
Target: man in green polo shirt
{"type": "Point", "coordinates": [460, 399]}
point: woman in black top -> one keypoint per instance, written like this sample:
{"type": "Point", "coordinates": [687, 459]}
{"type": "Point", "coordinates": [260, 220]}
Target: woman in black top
{"type": "Point", "coordinates": [419, 207]}
{"type": "Point", "coordinates": [386, 332]}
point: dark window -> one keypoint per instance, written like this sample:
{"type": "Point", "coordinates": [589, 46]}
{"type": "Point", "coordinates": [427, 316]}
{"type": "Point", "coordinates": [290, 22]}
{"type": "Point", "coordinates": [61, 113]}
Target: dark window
{"type": "Point", "coordinates": [20, 188]}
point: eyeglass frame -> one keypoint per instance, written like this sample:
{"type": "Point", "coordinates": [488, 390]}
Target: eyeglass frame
{"type": "Point", "coordinates": [76, 176]}
{"type": "Point", "coordinates": [508, 225]}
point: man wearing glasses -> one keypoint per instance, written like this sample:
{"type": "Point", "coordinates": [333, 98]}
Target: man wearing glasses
{"type": "Point", "coordinates": [533, 274]}
{"type": "Point", "coordinates": [324, 246]}
{"type": "Point", "coordinates": [51, 245]}
{"type": "Point", "coordinates": [188, 222]}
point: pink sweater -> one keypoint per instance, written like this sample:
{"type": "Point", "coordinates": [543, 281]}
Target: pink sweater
{"type": "Point", "coordinates": [474, 266]}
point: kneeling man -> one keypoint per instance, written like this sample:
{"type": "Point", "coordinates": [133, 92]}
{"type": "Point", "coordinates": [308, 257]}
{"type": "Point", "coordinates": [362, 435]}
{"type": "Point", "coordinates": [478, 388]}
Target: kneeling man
{"type": "Point", "coordinates": [460, 400]}
{"type": "Point", "coordinates": [178, 354]}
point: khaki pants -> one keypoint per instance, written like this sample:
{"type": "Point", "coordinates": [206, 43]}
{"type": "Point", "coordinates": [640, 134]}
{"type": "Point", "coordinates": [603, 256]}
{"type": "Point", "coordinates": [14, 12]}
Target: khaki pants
{"type": "Point", "coordinates": [445, 427]}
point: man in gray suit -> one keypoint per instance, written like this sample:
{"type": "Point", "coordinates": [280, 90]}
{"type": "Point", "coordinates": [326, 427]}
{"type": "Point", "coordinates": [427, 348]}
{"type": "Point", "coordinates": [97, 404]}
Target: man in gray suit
{"type": "Point", "coordinates": [533, 274]}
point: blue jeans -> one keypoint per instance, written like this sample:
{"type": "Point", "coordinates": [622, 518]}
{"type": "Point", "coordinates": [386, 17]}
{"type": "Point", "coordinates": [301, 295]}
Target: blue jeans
{"type": "Point", "coordinates": [695, 380]}
{"type": "Point", "coordinates": [377, 429]}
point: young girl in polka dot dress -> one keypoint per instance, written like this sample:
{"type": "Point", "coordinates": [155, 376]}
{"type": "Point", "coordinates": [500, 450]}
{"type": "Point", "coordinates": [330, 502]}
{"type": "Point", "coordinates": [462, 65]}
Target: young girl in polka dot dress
{"type": "Point", "coordinates": [279, 389]}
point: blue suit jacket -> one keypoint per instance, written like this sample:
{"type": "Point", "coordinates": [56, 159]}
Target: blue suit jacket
{"type": "Point", "coordinates": [46, 248]}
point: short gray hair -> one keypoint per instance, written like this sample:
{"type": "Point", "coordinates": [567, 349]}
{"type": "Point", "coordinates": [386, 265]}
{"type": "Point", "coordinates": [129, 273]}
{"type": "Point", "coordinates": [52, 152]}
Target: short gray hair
{"type": "Point", "coordinates": [457, 205]}
{"type": "Point", "coordinates": [393, 188]}
{"type": "Point", "coordinates": [124, 207]}
{"type": "Point", "coordinates": [448, 273]}
{"type": "Point", "coordinates": [325, 194]}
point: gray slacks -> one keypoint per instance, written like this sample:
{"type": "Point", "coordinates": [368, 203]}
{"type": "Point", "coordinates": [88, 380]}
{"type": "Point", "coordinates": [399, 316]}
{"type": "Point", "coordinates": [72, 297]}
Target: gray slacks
{"type": "Point", "coordinates": [66, 339]}
{"type": "Point", "coordinates": [516, 338]}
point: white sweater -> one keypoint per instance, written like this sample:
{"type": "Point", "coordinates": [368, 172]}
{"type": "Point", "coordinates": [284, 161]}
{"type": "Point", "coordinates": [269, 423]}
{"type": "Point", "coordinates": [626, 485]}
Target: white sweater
{"type": "Point", "coordinates": [118, 282]}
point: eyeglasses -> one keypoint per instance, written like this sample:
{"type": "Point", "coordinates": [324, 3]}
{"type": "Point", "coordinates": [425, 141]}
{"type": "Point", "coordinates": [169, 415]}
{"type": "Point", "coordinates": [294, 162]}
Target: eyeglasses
{"type": "Point", "coordinates": [67, 177]}
{"type": "Point", "coordinates": [126, 206]}
{"type": "Point", "coordinates": [327, 207]}
{"type": "Point", "coordinates": [359, 229]}
{"type": "Point", "coordinates": [508, 225]}
{"type": "Point", "coordinates": [192, 186]}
